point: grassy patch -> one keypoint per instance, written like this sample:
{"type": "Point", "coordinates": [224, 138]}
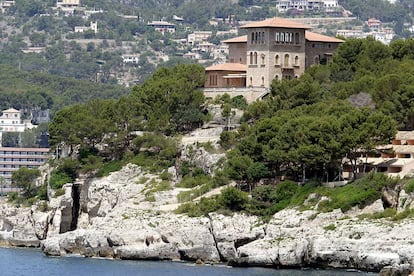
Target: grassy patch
{"type": "Point", "coordinates": [111, 166]}
{"type": "Point", "coordinates": [409, 187]}
{"type": "Point", "coordinates": [58, 179]}
{"type": "Point", "coordinates": [155, 187]}
{"type": "Point", "coordinates": [330, 227]}
{"type": "Point", "coordinates": [390, 214]}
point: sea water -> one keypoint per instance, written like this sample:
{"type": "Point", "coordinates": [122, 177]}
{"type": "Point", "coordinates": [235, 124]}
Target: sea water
{"type": "Point", "coordinates": [22, 262]}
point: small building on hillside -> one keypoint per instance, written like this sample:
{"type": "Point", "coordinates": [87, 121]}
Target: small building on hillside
{"type": "Point", "coordinates": [11, 121]}
{"type": "Point", "coordinates": [162, 26]}
{"type": "Point", "coordinates": [395, 159]}
{"type": "Point", "coordinates": [93, 27]}
{"type": "Point", "coordinates": [130, 59]}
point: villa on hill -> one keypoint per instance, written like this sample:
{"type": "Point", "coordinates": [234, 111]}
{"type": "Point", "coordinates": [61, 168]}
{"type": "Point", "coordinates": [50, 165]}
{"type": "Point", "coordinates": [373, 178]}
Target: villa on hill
{"type": "Point", "coordinates": [275, 48]}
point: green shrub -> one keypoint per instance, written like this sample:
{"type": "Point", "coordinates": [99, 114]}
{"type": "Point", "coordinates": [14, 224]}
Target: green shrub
{"type": "Point", "coordinates": [234, 199]}
{"type": "Point", "coordinates": [201, 208]}
{"type": "Point", "coordinates": [12, 197]}
{"type": "Point", "coordinates": [108, 167]}
{"type": "Point", "coordinates": [409, 187]}
{"type": "Point", "coordinates": [191, 182]}
{"type": "Point", "coordinates": [59, 192]}
{"type": "Point", "coordinates": [165, 175]}
{"type": "Point", "coordinates": [91, 163]}
{"type": "Point", "coordinates": [58, 179]}
{"type": "Point", "coordinates": [42, 192]}
{"type": "Point", "coordinates": [330, 227]}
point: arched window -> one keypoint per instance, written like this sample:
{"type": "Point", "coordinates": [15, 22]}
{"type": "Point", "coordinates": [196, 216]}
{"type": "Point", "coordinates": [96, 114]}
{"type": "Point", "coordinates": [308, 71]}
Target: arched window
{"type": "Point", "coordinates": [277, 37]}
{"type": "Point", "coordinates": [286, 60]}
{"type": "Point", "coordinates": [251, 81]}
{"type": "Point", "coordinates": [316, 59]}
{"type": "Point", "coordinates": [277, 77]}
{"type": "Point", "coordinates": [296, 61]}
{"type": "Point", "coordinates": [255, 57]}
{"type": "Point", "coordinates": [277, 60]}
{"type": "Point", "coordinates": [263, 59]}
{"type": "Point", "coordinates": [282, 37]}
{"type": "Point", "coordinates": [291, 37]}
{"type": "Point", "coordinates": [251, 57]}
{"type": "Point", "coordinates": [262, 81]}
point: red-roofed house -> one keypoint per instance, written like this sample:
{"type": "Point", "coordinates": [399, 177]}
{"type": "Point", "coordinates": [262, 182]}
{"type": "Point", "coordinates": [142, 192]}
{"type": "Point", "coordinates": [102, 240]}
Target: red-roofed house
{"type": "Point", "coordinates": [275, 48]}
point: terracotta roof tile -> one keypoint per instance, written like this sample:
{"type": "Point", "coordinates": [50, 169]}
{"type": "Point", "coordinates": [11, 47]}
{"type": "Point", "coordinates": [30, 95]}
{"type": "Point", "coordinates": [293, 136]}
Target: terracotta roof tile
{"type": "Point", "coordinates": [276, 23]}
{"type": "Point", "coordinates": [239, 39]}
{"type": "Point", "coordinates": [228, 67]}
{"type": "Point", "coordinates": [321, 38]}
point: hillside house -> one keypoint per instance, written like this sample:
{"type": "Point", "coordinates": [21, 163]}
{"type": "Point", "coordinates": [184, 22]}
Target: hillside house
{"type": "Point", "coordinates": [273, 49]}
{"type": "Point", "coordinates": [162, 26]}
{"type": "Point", "coordinates": [395, 160]}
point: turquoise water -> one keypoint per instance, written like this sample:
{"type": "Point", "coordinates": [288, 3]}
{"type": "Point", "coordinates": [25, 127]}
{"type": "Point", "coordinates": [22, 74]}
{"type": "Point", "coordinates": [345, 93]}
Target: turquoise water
{"type": "Point", "coordinates": [22, 262]}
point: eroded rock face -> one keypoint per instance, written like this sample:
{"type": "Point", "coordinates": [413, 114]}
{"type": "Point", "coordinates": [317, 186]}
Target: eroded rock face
{"type": "Point", "coordinates": [21, 226]}
{"type": "Point", "coordinates": [116, 220]}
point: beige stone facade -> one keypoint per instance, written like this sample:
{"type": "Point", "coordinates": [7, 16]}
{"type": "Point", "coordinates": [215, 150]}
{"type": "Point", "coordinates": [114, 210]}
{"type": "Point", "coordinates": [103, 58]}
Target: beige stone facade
{"type": "Point", "coordinates": [278, 49]}
{"type": "Point", "coordinates": [274, 53]}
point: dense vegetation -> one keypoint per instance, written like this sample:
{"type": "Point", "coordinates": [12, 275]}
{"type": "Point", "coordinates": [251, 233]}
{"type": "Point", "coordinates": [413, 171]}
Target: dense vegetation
{"type": "Point", "coordinates": [97, 57]}
{"type": "Point", "coordinates": [36, 91]}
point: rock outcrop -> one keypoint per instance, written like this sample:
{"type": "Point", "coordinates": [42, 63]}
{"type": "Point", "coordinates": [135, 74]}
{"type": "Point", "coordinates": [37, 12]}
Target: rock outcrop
{"type": "Point", "coordinates": [113, 218]}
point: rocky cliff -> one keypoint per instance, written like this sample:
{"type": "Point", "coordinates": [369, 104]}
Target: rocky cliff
{"type": "Point", "coordinates": [112, 217]}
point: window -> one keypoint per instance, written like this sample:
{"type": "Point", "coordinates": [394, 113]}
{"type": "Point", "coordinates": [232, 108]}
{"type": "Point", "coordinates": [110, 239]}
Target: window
{"type": "Point", "coordinates": [252, 38]}
{"type": "Point", "coordinates": [251, 57]}
{"type": "Point", "coordinates": [255, 57]}
{"type": "Point", "coordinates": [262, 81]}
{"type": "Point", "coordinates": [297, 38]}
{"type": "Point", "coordinates": [286, 60]}
{"type": "Point", "coordinates": [263, 37]}
{"type": "Point", "coordinates": [251, 81]}
{"type": "Point", "coordinates": [277, 60]}
{"type": "Point", "coordinates": [316, 60]}
{"type": "Point", "coordinates": [282, 37]}
{"type": "Point", "coordinates": [277, 37]}
{"type": "Point", "coordinates": [263, 57]}
{"type": "Point", "coordinates": [296, 61]}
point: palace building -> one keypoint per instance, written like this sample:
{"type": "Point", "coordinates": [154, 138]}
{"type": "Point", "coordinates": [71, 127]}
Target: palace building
{"type": "Point", "coordinates": [275, 48]}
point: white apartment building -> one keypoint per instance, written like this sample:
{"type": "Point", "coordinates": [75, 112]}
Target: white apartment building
{"type": "Point", "coordinates": [198, 36]}
{"type": "Point", "coordinates": [93, 27]}
{"type": "Point", "coordinates": [162, 26]}
{"type": "Point", "coordinates": [131, 59]}
{"type": "Point", "coordinates": [11, 159]}
{"type": "Point", "coordinates": [68, 4]}
{"type": "Point", "coordinates": [306, 5]}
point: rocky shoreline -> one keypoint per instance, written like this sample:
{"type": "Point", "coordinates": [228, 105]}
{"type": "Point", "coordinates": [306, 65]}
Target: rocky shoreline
{"type": "Point", "coordinates": [110, 217]}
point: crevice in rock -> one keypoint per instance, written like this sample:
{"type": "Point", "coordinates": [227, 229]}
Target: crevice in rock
{"type": "Point", "coordinates": [70, 214]}
{"type": "Point", "coordinates": [240, 242]}
{"type": "Point", "coordinates": [222, 259]}
{"type": "Point", "coordinates": [76, 191]}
